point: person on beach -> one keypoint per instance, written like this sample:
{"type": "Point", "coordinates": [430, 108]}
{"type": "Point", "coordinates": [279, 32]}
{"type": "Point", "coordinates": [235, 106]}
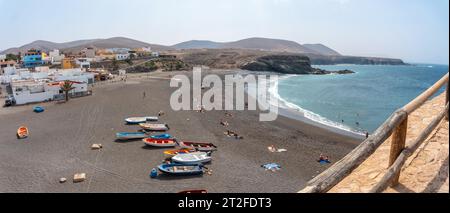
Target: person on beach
{"type": "Point", "coordinates": [367, 135]}
{"type": "Point", "coordinates": [324, 159]}
{"type": "Point", "coordinates": [143, 95]}
{"type": "Point", "coordinates": [321, 158]}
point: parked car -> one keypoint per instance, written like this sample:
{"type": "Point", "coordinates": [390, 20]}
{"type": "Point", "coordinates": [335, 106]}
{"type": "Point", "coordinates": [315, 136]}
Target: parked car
{"type": "Point", "coordinates": [9, 102]}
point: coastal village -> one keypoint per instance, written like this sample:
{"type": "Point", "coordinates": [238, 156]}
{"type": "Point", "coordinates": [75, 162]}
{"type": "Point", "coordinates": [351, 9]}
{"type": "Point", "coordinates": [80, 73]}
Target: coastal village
{"type": "Point", "coordinates": [36, 76]}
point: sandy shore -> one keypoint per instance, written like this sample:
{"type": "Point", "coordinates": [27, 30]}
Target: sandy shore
{"type": "Point", "coordinates": [60, 140]}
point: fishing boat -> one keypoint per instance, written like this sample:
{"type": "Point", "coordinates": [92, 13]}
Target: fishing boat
{"type": "Point", "coordinates": [130, 135]}
{"type": "Point", "coordinates": [192, 158]}
{"type": "Point", "coordinates": [138, 120]}
{"type": "Point", "coordinates": [38, 109]}
{"type": "Point", "coordinates": [22, 132]}
{"type": "Point", "coordinates": [181, 169]}
{"type": "Point", "coordinates": [159, 142]}
{"type": "Point", "coordinates": [179, 151]}
{"type": "Point", "coordinates": [204, 147]}
{"type": "Point", "coordinates": [154, 127]}
{"type": "Point", "coordinates": [195, 191]}
{"type": "Point", "coordinates": [163, 136]}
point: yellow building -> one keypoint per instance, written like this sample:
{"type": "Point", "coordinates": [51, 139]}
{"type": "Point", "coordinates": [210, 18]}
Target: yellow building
{"type": "Point", "coordinates": [68, 63]}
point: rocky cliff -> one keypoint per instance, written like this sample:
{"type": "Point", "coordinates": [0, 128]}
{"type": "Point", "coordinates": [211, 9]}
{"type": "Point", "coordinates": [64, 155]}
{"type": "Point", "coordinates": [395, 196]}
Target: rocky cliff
{"type": "Point", "coordinates": [287, 64]}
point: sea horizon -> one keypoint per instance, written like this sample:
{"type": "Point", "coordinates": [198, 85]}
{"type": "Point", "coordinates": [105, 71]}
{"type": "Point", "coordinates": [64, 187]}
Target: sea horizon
{"type": "Point", "coordinates": [366, 118]}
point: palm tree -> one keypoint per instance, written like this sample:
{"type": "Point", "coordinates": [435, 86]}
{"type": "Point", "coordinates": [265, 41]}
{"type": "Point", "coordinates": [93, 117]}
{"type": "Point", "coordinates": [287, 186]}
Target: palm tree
{"type": "Point", "coordinates": [67, 87]}
{"type": "Point", "coordinates": [115, 64]}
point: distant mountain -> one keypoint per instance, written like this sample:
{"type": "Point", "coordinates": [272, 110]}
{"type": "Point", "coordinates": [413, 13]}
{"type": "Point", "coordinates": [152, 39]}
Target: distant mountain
{"type": "Point", "coordinates": [319, 54]}
{"type": "Point", "coordinates": [76, 46]}
{"type": "Point", "coordinates": [197, 44]}
{"type": "Point", "coordinates": [322, 49]}
{"type": "Point", "coordinates": [264, 44]}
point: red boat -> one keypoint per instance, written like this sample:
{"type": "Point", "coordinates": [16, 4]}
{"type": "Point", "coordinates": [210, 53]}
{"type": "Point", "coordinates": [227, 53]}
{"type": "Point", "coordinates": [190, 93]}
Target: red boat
{"type": "Point", "coordinates": [160, 142]}
{"type": "Point", "coordinates": [200, 191]}
{"type": "Point", "coordinates": [205, 147]}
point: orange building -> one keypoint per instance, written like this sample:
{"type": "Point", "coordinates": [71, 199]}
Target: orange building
{"type": "Point", "coordinates": [68, 63]}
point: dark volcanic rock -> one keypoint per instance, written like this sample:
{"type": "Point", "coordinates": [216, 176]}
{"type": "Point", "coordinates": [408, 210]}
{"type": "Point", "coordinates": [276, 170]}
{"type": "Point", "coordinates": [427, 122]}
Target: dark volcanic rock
{"type": "Point", "coordinates": [287, 64]}
{"type": "Point", "coordinates": [325, 72]}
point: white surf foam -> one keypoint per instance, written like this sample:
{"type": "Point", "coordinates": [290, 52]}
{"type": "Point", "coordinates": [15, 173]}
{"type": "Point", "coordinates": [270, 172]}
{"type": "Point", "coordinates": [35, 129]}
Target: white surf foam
{"type": "Point", "coordinates": [283, 103]}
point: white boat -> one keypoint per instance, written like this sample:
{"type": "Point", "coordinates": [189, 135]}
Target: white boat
{"type": "Point", "coordinates": [138, 120]}
{"type": "Point", "coordinates": [154, 127]}
{"type": "Point", "coordinates": [192, 158]}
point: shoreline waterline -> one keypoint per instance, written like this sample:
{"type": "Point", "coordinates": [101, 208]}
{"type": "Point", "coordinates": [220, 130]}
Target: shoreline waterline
{"type": "Point", "coordinates": [293, 111]}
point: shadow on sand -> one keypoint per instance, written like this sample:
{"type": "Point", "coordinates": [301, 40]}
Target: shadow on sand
{"type": "Point", "coordinates": [166, 177]}
{"type": "Point", "coordinates": [127, 141]}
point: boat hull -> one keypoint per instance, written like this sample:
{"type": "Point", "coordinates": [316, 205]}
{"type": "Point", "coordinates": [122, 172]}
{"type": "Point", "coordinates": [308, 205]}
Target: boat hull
{"type": "Point", "coordinates": [38, 109]}
{"type": "Point", "coordinates": [198, 191]}
{"type": "Point", "coordinates": [154, 127]}
{"type": "Point", "coordinates": [159, 142]}
{"type": "Point", "coordinates": [163, 136]}
{"type": "Point", "coordinates": [138, 120]}
{"type": "Point", "coordinates": [181, 169]}
{"type": "Point", "coordinates": [192, 158]}
{"type": "Point", "coordinates": [22, 132]}
{"type": "Point", "coordinates": [130, 136]}
{"type": "Point", "coordinates": [204, 147]}
{"type": "Point", "coordinates": [179, 151]}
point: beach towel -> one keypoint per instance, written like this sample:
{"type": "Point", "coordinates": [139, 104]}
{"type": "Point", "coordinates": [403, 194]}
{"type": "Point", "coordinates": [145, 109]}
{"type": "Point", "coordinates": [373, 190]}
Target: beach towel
{"type": "Point", "coordinates": [271, 166]}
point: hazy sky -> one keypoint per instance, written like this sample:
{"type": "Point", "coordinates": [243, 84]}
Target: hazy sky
{"type": "Point", "coordinates": [413, 30]}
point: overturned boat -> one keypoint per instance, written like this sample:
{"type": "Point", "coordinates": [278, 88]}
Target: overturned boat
{"type": "Point", "coordinates": [138, 120]}
{"type": "Point", "coordinates": [38, 109]}
{"type": "Point", "coordinates": [22, 132]}
{"type": "Point", "coordinates": [130, 135]}
{"type": "Point", "coordinates": [154, 127]}
{"type": "Point", "coordinates": [192, 158]}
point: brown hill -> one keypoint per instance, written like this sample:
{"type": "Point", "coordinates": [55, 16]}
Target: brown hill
{"type": "Point", "coordinates": [75, 46]}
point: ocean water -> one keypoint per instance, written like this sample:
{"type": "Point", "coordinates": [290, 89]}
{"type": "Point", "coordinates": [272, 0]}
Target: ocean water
{"type": "Point", "coordinates": [357, 102]}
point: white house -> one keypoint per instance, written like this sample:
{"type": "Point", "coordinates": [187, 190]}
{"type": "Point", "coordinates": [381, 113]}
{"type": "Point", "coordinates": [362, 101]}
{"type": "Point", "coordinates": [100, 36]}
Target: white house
{"type": "Point", "coordinates": [84, 63]}
{"type": "Point", "coordinates": [30, 87]}
{"type": "Point", "coordinates": [121, 57]}
{"type": "Point", "coordinates": [74, 75]}
{"type": "Point", "coordinates": [33, 91]}
{"type": "Point", "coordinates": [56, 57]}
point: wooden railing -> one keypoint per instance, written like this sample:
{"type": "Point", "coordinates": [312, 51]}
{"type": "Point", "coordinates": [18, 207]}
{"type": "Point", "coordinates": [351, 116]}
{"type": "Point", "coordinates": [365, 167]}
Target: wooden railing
{"type": "Point", "coordinates": [396, 126]}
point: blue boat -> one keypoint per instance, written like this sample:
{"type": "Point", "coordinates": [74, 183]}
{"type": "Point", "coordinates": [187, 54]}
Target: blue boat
{"type": "Point", "coordinates": [163, 136]}
{"type": "Point", "coordinates": [130, 135]}
{"type": "Point", "coordinates": [181, 169]}
{"type": "Point", "coordinates": [38, 109]}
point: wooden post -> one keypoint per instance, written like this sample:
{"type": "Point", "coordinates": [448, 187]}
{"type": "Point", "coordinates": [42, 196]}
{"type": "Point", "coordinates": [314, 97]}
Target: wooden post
{"type": "Point", "coordinates": [397, 145]}
{"type": "Point", "coordinates": [447, 99]}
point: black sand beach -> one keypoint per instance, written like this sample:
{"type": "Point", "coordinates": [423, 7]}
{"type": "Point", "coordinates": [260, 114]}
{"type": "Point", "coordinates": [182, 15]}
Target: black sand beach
{"type": "Point", "coordinates": [60, 140]}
